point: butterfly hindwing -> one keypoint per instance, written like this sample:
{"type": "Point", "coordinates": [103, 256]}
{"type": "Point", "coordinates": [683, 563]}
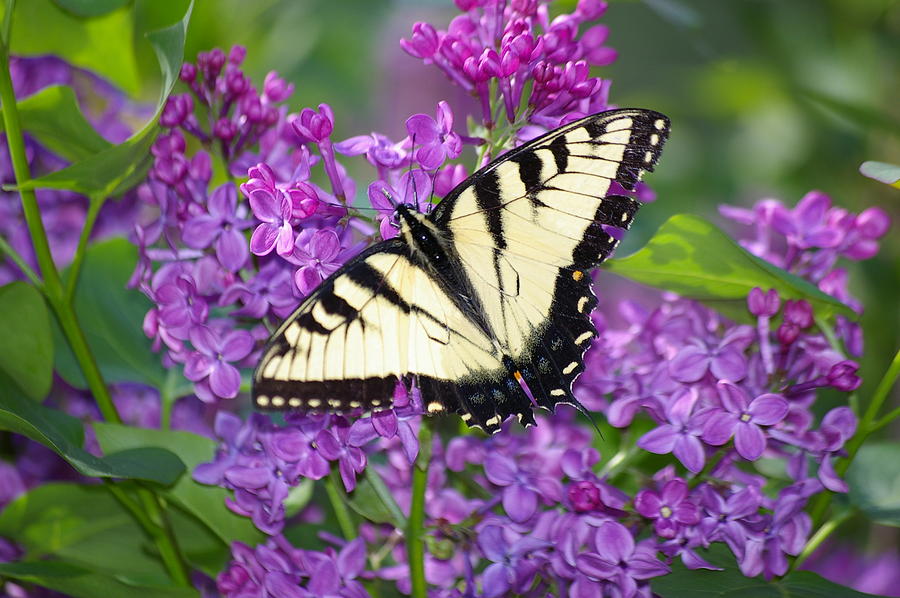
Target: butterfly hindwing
{"type": "Point", "coordinates": [492, 318]}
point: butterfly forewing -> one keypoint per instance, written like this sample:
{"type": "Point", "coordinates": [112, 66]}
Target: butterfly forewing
{"type": "Point", "coordinates": [506, 313]}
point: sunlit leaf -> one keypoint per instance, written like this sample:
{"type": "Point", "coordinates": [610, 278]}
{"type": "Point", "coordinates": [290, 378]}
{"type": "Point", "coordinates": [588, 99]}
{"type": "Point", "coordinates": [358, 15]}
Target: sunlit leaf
{"type": "Point", "coordinates": [889, 174]}
{"type": "Point", "coordinates": [692, 257]}
{"type": "Point", "coordinates": [102, 44]}
{"type": "Point", "coordinates": [113, 171]}
{"type": "Point", "coordinates": [90, 8]}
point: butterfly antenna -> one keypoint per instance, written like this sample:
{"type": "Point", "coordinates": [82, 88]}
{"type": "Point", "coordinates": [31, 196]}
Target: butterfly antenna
{"type": "Point", "coordinates": [590, 416]}
{"type": "Point", "coordinates": [409, 172]}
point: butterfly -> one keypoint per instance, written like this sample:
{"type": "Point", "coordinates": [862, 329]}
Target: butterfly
{"type": "Point", "coordinates": [484, 304]}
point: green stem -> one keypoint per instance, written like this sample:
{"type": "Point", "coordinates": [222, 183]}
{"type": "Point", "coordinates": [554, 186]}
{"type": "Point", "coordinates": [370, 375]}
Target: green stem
{"type": "Point", "coordinates": [94, 206]}
{"type": "Point", "coordinates": [415, 529]}
{"type": "Point", "coordinates": [710, 465]}
{"type": "Point", "coordinates": [878, 399]}
{"type": "Point", "coordinates": [341, 512]}
{"type": "Point", "coordinates": [151, 519]}
{"type": "Point", "coordinates": [885, 420]}
{"type": "Point", "coordinates": [164, 538]}
{"type": "Point", "coordinates": [16, 144]}
{"type": "Point", "coordinates": [22, 264]}
{"type": "Point", "coordinates": [130, 505]}
{"type": "Point", "coordinates": [53, 287]}
{"type": "Point", "coordinates": [820, 536]}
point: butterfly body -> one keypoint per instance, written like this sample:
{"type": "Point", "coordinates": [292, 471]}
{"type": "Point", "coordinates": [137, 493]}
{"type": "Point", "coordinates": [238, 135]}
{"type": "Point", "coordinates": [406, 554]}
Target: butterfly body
{"type": "Point", "coordinates": [484, 303]}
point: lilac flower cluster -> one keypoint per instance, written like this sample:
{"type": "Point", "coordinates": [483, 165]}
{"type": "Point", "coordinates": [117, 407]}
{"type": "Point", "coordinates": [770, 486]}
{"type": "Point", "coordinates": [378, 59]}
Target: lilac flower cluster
{"type": "Point", "coordinates": [808, 240]}
{"type": "Point", "coordinates": [514, 48]}
{"type": "Point", "coordinates": [194, 260]}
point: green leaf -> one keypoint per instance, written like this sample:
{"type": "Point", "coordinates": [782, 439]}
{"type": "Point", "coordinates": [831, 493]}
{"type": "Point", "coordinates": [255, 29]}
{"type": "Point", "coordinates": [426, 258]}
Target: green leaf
{"type": "Point", "coordinates": [115, 170]}
{"type": "Point", "coordinates": [692, 257]}
{"type": "Point", "coordinates": [53, 117]}
{"type": "Point", "coordinates": [206, 503]}
{"type": "Point", "coordinates": [874, 480]}
{"type": "Point", "coordinates": [26, 353]}
{"type": "Point", "coordinates": [102, 44]}
{"type": "Point", "coordinates": [111, 316]}
{"type": "Point", "coordinates": [82, 525]}
{"type": "Point", "coordinates": [366, 502]}
{"type": "Point", "coordinates": [90, 8]}
{"type": "Point", "coordinates": [80, 582]}
{"type": "Point", "coordinates": [889, 174]}
{"type": "Point", "coordinates": [730, 583]}
{"type": "Point", "coordinates": [65, 435]}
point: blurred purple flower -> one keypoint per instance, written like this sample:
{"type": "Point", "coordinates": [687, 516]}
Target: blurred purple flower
{"type": "Point", "coordinates": [511, 569]}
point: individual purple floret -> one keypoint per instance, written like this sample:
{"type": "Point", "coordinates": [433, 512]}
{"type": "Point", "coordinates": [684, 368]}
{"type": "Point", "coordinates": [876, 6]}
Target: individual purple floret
{"type": "Point", "coordinates": [742, 417]}
{"type": "Point", "coordinates": [669, 508]}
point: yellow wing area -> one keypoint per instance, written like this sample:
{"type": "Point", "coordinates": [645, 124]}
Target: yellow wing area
{"type": "Point", "coordinates": [379, 319]}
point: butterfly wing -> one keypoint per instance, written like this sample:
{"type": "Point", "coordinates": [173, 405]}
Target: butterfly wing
{"type": "Point", "coordinates": [381, 318]}
{"type": "Point", "coordinates": [519, 235]}
{"type": "Point", "coordinates": [528, 226]}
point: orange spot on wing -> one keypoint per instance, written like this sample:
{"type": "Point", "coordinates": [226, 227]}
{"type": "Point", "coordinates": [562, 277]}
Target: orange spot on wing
{"type": "Point", "coordinates": [577, 275]}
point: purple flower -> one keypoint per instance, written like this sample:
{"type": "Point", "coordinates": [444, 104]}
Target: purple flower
{"type": "Point", "coordinates": [388, 424]}
{"type": "Point", "coordinates": [742, 417]}
{"type": "Point", "coordinates": [511, 569]}
{"type": "Point", "coordinates": [210, 362]}
{"type": "Point", "coordinates": [670, 509]}
{"type": "Point", "coordinates": [724, 359]}
{"type": "Point", "coordinates": [274, 209]}
{"type": "Point", "coordinates": [725, 519]}
{"type": "Point", "coordinates": [318, 256]}
{"type": "Point", "coordinates": [334, 445]}
{"type": "Point", "coordinates": [521, 489]}
{"type": "Point", "coordinates": [681, 435]}
{"type": "Point", "coordinates": [314, 126]}
{"type": "Point", "coordinates": [335, 576]}
{"type": "Point", "coordinates": [584, 496]}
{"type": "Point", "coordinates": [180, 305]}
{"type": "Point", "coordinates": [763, 304]}
{"type": "Point", "coordinates": [436, 140]}
{"type": "Point", "coordinates": [806, 225]}
{"type": "Point", "coordinates": [615, 557]}
{"type": "Point", "coordinates": [221, 225]}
